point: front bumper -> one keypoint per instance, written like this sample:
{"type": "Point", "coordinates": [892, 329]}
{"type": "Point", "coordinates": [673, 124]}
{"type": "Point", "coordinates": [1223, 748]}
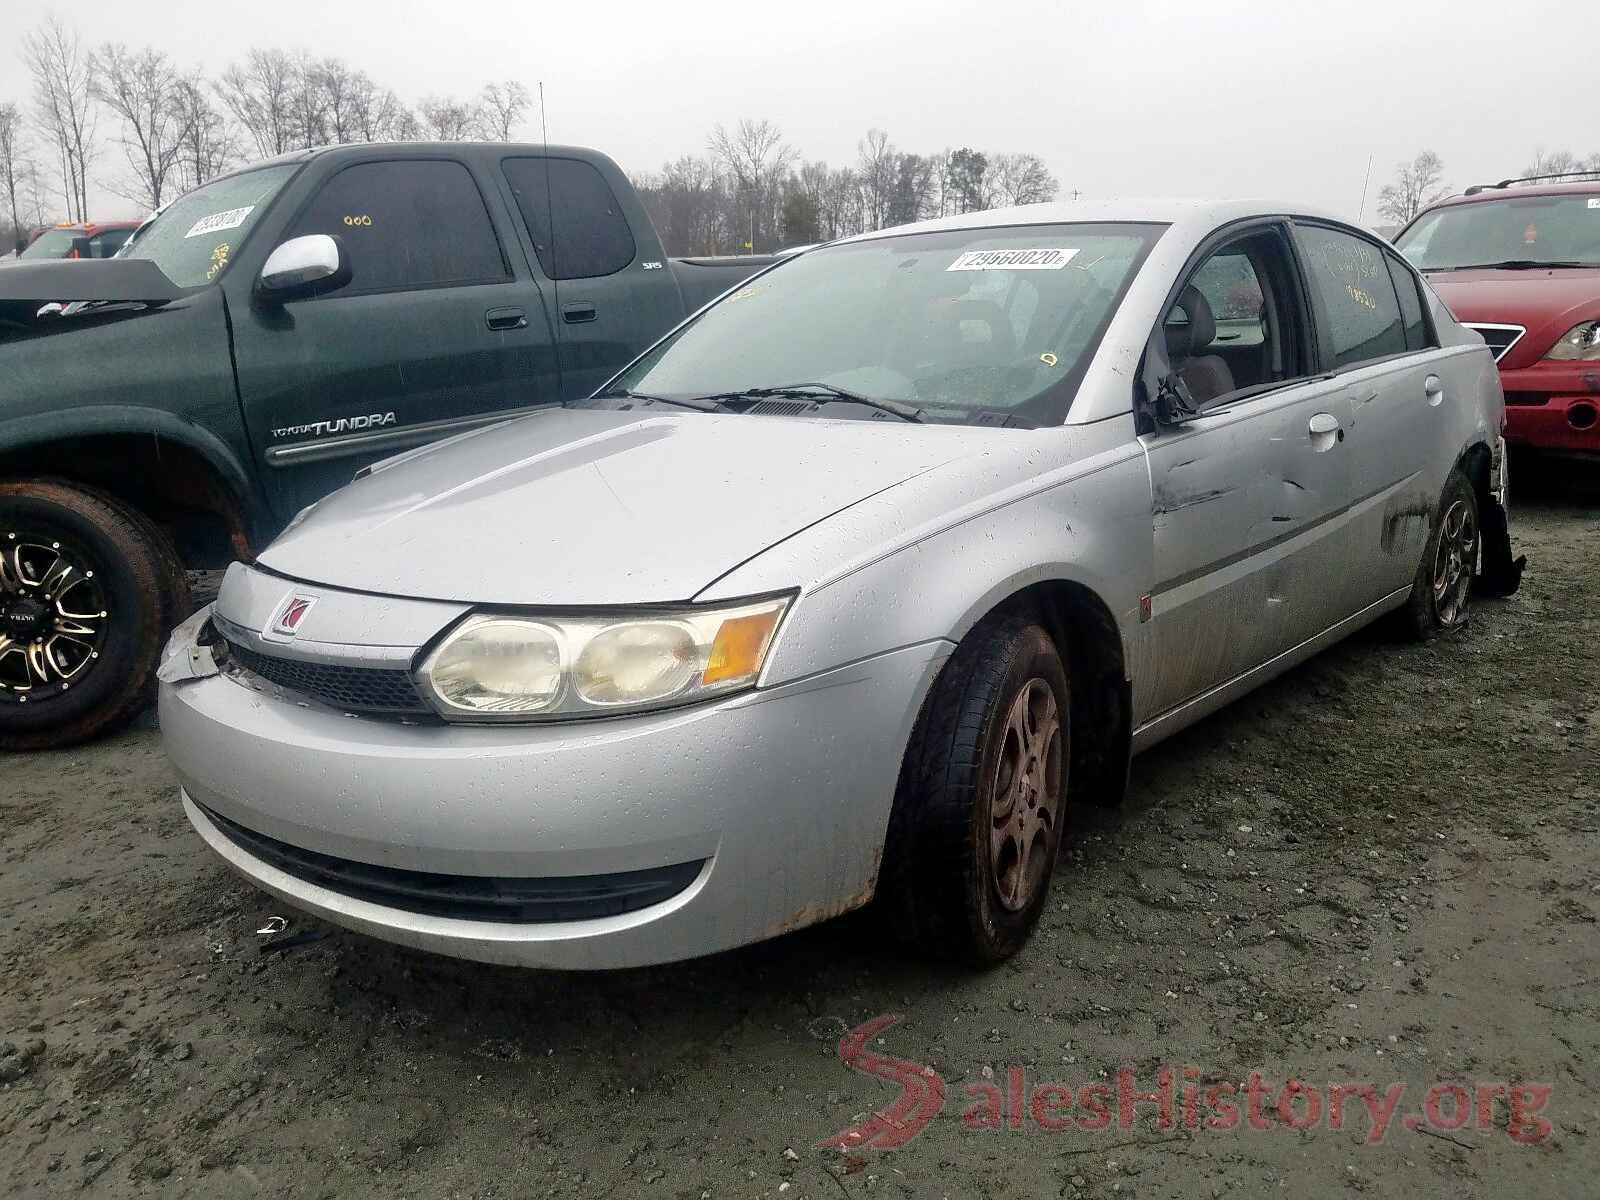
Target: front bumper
{"type": "Point", "coordinates": [1554, 406]}
{"type": "Point", "coordinates": [781, 796]}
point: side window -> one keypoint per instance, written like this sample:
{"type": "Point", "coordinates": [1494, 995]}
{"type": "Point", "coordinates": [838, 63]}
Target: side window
{"type": "Point", "coordinates": [573, 219]}
{"type": "Point", "coordinates": [407, 224]}
{"type": "Point", "coordinates": [1229, 283]}
{"type": "Point", "coordinates": [1350, 276]}
{"type": "Point", "coordinates": [1412, 306]}
{"type": "Point", "coordinates": [104, 245]}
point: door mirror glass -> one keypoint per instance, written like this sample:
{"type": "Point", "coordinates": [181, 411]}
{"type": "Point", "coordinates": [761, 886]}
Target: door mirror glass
{"type": "Point", "coordinates": [304, 266]}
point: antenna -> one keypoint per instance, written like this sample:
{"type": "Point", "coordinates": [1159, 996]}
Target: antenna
{"type": "Point", "coordinates": [1364, 184]}
{"type": "Point", "coordinates": [550, 220]}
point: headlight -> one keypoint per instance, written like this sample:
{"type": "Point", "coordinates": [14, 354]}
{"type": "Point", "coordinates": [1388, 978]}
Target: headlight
{"type": "Point", "coordinates": [1581, 343]}
{"type": "Point", "coordinates": [497, 667]}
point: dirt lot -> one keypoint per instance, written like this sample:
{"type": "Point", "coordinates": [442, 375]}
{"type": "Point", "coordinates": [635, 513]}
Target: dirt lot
{"type": "Point", "coordinates": [1382, 868]}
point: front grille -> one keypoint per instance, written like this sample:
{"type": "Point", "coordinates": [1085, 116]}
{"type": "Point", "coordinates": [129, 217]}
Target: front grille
{"type": "Point", "coordinates": [469, 897]}
{"type": "Point", "coordinates": [1500, 338]}
{"type": "Point", "coordinates": [1526, 399]}
{"type": "Point", "coordinates": [366, 690]}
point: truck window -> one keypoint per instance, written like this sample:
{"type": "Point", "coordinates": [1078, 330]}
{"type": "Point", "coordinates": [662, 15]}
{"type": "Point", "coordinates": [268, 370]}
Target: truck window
{"type": "Point", "coordinates": [407, 224]}
{"type": "Point", "coordinates": [589, 236]}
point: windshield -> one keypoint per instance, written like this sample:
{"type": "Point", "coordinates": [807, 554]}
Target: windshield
{"type": "Point", "coordinates": [1520, 229]}
{"type": "Point", "coordinates": [55, 243]}
{"type": "Point", "coordinates": [193, 239]}
{"type": "Point", "coordinates": [954, 323]}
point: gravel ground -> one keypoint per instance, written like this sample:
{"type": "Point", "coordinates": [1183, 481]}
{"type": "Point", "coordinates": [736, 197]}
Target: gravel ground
{"type": "Point", "coordinates": [1380, 869]}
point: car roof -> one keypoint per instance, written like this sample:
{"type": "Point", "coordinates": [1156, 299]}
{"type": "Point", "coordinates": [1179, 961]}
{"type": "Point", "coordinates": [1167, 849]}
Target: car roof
{"type": "Point", "coordinates": [1494, 191]}
{"type": "Point", "coordinates": [93, 227]}
{"type": "Point", "coordinates": [1196, 213]}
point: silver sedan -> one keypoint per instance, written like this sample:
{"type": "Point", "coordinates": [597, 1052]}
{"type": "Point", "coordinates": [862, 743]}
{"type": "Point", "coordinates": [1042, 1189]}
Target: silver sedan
{"type": "Point", "coordinates": [851, 587]}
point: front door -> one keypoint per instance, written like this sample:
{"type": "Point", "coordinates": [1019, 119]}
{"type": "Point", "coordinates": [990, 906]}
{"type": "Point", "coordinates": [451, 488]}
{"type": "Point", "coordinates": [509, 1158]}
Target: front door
{"type": "Point", "coordinates": [435, 332]}
{"type": "Point", "coordinates": [1250, 496]}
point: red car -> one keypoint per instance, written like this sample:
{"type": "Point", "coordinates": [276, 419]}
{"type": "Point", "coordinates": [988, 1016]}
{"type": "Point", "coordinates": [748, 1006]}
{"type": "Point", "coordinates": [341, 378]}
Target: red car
{"type": "Point", "coordinates": [87, 239]}
{"type": "Point", "coordinates": [1519, 261]}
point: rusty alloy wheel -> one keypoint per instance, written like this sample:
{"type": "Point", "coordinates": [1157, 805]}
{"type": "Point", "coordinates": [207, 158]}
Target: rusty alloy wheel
{"type": "Point", "coordinates": [53, 616]}
{"type": "Point", "coordinates": [1025, 799]}
{"type": "Point", "coordinates": [1454, 563]}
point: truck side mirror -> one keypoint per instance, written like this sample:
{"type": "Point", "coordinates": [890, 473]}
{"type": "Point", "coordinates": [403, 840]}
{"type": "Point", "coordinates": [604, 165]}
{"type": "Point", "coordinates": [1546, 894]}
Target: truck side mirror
{"type": "Point", "coordinates": [304, 266]}
{"type": "Point", "coordinates": [81, 248]}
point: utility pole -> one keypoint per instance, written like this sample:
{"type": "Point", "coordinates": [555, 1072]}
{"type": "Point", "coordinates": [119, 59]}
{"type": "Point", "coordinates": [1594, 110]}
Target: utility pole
{"type": "Point", "coordinates": [1364, 184]}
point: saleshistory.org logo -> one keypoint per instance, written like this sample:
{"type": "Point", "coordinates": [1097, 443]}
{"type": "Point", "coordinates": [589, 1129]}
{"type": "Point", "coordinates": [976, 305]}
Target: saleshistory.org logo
{"type": "Point", "coordinates": [1180, 1098]}
{"type": "Point", "coordinates": [291, 615]}
{"type": "Point", "coordinates": [341, 425]}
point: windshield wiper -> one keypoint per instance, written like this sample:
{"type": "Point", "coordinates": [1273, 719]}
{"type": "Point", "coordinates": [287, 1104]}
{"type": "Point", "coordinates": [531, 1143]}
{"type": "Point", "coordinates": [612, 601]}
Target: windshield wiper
{"type": "Point", "coordinates": [801, 391]}
{"type": "Point", "coordinates": [1519, 264]}
{"type": "Point", "coordinates": [698, 403]}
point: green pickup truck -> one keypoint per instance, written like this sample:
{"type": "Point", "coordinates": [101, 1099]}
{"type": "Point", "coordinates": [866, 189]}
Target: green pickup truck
{"type": "Point", "coordinates": [261, 340]}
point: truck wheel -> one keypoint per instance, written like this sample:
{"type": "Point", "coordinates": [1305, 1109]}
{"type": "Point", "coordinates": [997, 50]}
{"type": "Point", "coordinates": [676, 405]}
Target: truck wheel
{"type": "Point", "coordinates": [980, 808]}
{"type": "Point", "coordinates": [88, 591]}
{"type": "Point", "coordinates": [1443, 587]}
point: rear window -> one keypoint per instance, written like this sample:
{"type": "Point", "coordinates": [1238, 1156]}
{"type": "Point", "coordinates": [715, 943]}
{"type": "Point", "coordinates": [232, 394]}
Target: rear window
{"type": "Point", "coordinates": [1349, 275]}
{"type": "Point", "coordinates": [574, 219]}
{"type": "Point", "coordinates": [1516, 229]}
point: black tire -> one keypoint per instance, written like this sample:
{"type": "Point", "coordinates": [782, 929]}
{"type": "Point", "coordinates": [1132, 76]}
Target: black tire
{"type": "Point", "coordinates": [945, 885]}
{"type": "Point", "coordinates": [1427, 613]}
{"type": "Point", "coordinates": [136, 576]}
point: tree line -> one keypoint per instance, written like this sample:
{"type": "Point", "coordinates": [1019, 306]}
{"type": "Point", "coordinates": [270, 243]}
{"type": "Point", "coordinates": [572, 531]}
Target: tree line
{"type": "Point", "coordinates": [147, 128]}
{"type": "Point", "coordinates": [751, 191]}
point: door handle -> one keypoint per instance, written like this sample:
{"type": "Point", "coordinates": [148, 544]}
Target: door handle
{"type": "Point", "coordinates": [506, 318]}
{"type": "Point", "coordinates": [1433, 389]}
{"type": "Point", "coordinates": [1326, 431]}
{"type": "Point", "coordinates": [577, 314]}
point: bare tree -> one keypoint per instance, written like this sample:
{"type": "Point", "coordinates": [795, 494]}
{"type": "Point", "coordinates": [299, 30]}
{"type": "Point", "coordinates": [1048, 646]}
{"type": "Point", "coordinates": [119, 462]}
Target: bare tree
{"type": "Point", "coordinates": [13, 169]}
{"type": "Point", "coordinates": [374, 113]}
{"type": "Point", "coordinates": [204, 145]}
{"type": "Point", "coordinates": [757, 157]}
{"type": "Point", "coordinates": [141, 89]}
{"type": "Point", "coordinates": [446, 119]}
{"type": "Point", "coordinates": [64, 105]}
{"type": "Point", "coordinates": [1416, 185]}
{"type": "Point", "coordinates": [1020, 179]}
{"type": "Point", "coordinates": [876, 163]}
{"type": "Point", "coordinates": [260, 93]}
{"type": "Point", "coordinates": [501, 109]}
{"type": "Point", "coordinates": [1561, 162]}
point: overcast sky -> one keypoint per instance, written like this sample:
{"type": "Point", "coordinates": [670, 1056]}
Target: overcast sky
{"type": "Point", "coordinates": [1224, 97]}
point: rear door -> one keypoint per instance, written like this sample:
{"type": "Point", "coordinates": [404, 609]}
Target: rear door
{"type": "Point", "coordinates": [1381, 351]}
{"type": "Point", "coordinates": [437, 332]}
{"type": "Point", "coordinates": [613, 292]}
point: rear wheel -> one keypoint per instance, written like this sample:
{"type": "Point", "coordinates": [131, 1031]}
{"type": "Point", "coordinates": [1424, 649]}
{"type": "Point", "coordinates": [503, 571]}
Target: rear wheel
{"type": "Point", "coordinates": [1442, 590]}
{"type": "Point", "coordinates": [88, 590]}
{"type": "Point", "coordinates": [980, 809]}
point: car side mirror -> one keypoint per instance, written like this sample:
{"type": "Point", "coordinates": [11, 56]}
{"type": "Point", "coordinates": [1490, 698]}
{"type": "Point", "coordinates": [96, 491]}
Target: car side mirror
{"type": "Point", "coordinates": [304, 266]}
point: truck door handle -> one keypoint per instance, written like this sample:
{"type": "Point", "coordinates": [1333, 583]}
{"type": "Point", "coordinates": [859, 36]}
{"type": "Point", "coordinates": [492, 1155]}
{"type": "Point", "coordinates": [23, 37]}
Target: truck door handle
{"type": "Point", "coordinates": [1326, 432]}
{"type": "Point", "coordinates": [1433, 389]}
{"type": "Point", "coordinates": [577, 314]}
{"type": "Point", "coordinates": [506, 318]}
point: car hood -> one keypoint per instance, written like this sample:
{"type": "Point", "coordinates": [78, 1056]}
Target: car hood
{"type": "Point", "coordinates": [1547, 303]}
{"type": "Point", "coordinates": [599, 507]}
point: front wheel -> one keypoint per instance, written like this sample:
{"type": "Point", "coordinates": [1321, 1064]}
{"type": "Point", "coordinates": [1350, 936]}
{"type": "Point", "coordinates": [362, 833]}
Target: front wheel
{"type": "Point", "coordinates": [87, 593]}
{"type": "Point", "coordinates": [980, 808]}
{"type": "Point", "coordinates": [1442, 590]}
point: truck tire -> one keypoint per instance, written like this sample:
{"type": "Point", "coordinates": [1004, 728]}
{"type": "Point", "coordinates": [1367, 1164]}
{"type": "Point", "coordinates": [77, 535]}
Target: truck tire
{"type": "Point", "coordinates": [980, 807]}
{"type": "Point", "coordinates": [89, 590]}
{"type": "Point", "coordinates": [1442, 590]}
